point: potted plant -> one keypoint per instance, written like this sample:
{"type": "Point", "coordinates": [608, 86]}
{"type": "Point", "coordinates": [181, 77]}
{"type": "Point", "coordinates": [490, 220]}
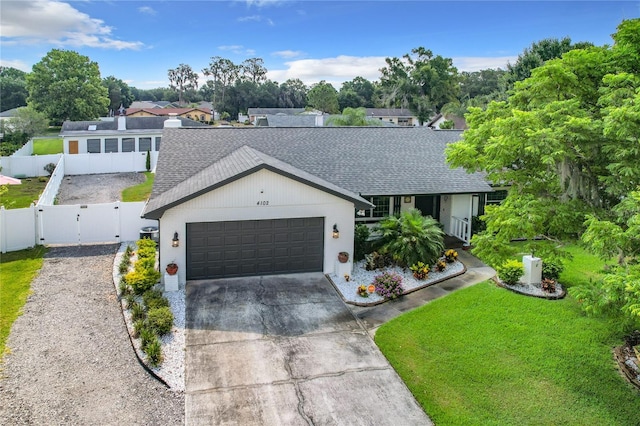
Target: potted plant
{"type": "Point", "coordinates": [343, 257]}
{"type": "Point", "coordinates": [172, 268]}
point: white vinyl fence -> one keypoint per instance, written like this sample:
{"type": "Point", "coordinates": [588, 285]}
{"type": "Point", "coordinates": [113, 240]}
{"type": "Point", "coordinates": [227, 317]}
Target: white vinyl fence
{"type": "Point", "coordinates": [27, 149]}
{"type": "Point", "coordinates": [71, 224]}
{"type": "Point", "coordinates": [78, 164]}
{"type": "Point", "coordinates": [48, 196]}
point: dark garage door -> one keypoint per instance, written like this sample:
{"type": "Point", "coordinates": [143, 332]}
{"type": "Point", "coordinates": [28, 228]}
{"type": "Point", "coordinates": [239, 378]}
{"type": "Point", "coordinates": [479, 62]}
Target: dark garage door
{"type": "Point", "coordinates": [254, 247]}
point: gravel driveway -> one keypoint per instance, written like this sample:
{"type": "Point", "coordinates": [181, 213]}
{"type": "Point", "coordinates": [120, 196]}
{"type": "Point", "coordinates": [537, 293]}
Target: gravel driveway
{"type": "Point", "coordinates": [99, 188]}
{"type": "Point", "coordinates": [70, 360]}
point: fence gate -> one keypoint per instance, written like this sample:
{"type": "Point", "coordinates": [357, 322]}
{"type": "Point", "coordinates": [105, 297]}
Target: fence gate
{"type": "Point", "coordinates": [79, 224]}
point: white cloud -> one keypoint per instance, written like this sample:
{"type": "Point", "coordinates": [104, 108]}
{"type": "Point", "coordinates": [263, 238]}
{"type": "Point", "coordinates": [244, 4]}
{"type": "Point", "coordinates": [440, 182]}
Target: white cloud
{"type": "Point", "coordinates": [237, 49]}
{"type": "Point", "coordinates": [477, 63]}
{"type": "Point", "coordinates": [146, 10]}
{"type": "Point", "coordinates": [333, 70]}
{"type": "Point", "coordinates": [256, 18]}
{"type": "Point", "coordinates": [288, 54]}
{"type": "Point", "coordinates": [16, 63]}
{"type": "Point", "coordinates": [58, 23]}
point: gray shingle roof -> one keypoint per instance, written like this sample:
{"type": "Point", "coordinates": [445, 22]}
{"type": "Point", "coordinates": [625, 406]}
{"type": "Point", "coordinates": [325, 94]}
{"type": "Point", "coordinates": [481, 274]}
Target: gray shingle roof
{"type": "Point", "coordinates": [362, 160]}
{"type": "Point", "coordinates": [133, 123]}
{"type": "Point", "coordinates": [239, 163]}
{"type": "Point", "coordinates": [277, 120]}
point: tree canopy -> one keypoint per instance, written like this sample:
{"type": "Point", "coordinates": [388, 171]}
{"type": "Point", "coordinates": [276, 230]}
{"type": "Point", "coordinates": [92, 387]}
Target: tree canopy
{"type": "Point", "coordinates": [324, 97]}
{"type": "Point", "coordinates": [67, 86]}
{"type": "Point", "coordinates": [119, 93]}
{"type": "Point", "coordinates": [13, 88]}
{"type": "Point", "coordinates": [566, 144]}
{"type": "Point", "coordinates": [181, 79]}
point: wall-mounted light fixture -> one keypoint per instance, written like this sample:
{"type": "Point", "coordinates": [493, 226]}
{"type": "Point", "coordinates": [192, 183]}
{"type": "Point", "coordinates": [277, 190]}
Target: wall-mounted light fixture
{"type": "Point", "coordinates": [336, 233]}
{"type": "Point", "coordinates": [175, 242]}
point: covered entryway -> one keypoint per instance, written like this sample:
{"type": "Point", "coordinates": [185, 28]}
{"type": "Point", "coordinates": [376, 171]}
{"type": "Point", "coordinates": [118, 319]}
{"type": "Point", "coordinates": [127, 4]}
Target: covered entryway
{"type": "Point", "coordinates": [254, 247]}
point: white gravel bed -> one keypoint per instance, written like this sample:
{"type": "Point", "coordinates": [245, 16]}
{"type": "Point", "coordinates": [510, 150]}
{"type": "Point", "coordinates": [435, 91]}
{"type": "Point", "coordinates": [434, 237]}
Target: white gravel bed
{"type": "Point", "coordinates": [534, 289]}
{"type": "Point", "coordinates": [360, 276]}
{"type": "Point", "coordinates": [171, 370]}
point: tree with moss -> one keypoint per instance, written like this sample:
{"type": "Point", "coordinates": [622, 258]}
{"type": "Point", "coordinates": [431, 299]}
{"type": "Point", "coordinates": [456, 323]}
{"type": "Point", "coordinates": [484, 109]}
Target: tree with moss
{"type": "Point", "coordinates": [566, 143]}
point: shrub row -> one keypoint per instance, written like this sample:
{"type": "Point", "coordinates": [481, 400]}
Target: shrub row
{"type": "Point", "coordinates": [151, 316]}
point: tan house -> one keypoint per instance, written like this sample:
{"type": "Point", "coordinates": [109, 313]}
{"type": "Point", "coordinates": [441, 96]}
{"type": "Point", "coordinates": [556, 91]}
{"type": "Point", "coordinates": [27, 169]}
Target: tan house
{"type": "Point", "coordinates": [195, 114]}
{"type": "Point", "coordinates": [397, 116]}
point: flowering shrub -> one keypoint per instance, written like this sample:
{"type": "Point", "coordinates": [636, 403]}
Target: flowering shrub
{"type": "Point", "coordinates": [362, 291]}
{"type": "Point", "coordinates": [451, 255]}
{"type": "Point", "coordinates": [388, 285]}
{"type": "Point", "coordinates": [420, 270]}
{"type": "Point", "coordinates": [441, 265]}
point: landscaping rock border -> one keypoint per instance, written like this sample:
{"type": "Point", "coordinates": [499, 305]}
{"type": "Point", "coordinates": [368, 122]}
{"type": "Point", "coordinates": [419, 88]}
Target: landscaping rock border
{"type": "Point", "coordinates": [533, 290]}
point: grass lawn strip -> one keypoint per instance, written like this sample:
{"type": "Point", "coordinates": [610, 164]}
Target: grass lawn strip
{"type": "Point", "coordinates": [17, 270]}
{"type": "Point", "coordinates": [21, 196]}
{"type": "Point", "coordinates": [139, 192]}
{"type": "Point", "coordinates": [47, 146]}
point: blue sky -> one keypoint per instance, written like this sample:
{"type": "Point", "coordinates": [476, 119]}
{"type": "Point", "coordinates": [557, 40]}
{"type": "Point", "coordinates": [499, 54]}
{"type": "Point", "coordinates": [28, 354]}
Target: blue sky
{"type": "Point", "coordinates": [335, 41]}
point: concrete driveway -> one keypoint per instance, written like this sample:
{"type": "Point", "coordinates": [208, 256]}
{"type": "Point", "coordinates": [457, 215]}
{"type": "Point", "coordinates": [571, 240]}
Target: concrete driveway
{"type": "Point", "coordinates": [285, 350]}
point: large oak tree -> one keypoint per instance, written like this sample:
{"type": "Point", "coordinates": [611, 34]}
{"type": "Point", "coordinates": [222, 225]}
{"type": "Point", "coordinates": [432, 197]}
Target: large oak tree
{"type": "Point", "coordinates": [67, 86]}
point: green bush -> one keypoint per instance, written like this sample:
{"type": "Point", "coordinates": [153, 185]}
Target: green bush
{"type": "Point", "coordinates": [123, 267]}
{"type": "Point", "coordinates": [411, 238]}
{"type": "Point", "coordinates": [50, 168]}
{"type": "Point", "coordinates": [420, 270]}
{"type": "Point", "coordinates": [146, 253]}
{"type": "Point", "coordinates": [510, 271]}
{"type": "Point", "coordinates": [154, 299]}
{"type": "Point", "coordinates": [137, 311]}
{"type": "Point", "coordinates": [141, 281]}
{"type": "Point", "coordinates": [146, 243]}
{"type": "Point", "coordinates": [146, 337]}
{"type": "Point", "coordinates": [377, 260]}
{"type": "Point", "coordinates": [154, 352]}
{"type": "Point", "coordinates": [138, 325]}
{"type": "Point", "coordinates": [129, 301]}
{"type": "Point", "coordinates": [551, 269]}
{"type": "Point", "coordinates": [160, 320]}
{"type": "Point", "coordinates": [361, 242]}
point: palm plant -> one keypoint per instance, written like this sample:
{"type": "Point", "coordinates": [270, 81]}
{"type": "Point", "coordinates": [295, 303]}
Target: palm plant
{"type": "Point", "coordinates": [411, 238]}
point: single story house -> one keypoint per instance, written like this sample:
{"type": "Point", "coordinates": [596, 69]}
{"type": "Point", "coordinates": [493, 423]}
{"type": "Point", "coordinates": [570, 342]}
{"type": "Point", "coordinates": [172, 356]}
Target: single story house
{"type": "Point", "coordinates": [116, 134]}
{"type": "Point", "coordinates": [196, 114]}
{"type": "Point", "coordinates": [255, 201]}
{"type": "Point", "coordinates": [459, 123]}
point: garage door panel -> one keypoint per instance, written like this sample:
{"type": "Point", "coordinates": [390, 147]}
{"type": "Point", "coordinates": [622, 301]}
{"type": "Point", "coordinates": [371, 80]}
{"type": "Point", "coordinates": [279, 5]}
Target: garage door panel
{"type": "Point", "coordinates": [256, 247]}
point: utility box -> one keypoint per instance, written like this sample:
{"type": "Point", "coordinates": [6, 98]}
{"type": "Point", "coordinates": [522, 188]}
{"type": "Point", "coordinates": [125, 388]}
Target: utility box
{"type": "Point", "coordinates": [532, 270]}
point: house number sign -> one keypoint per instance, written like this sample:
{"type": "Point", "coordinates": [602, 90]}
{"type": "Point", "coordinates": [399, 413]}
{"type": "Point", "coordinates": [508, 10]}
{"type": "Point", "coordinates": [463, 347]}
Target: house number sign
{"type": "Point", "coordinates": [263, 203]}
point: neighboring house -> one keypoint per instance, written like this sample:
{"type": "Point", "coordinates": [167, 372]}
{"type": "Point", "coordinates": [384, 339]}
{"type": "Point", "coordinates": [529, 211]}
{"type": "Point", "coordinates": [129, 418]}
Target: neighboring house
{"type": "Point", "coordinates": [398, 116]}
{"type": "Point", "coordinates": [281, 120]}
{"type": "Point", "coordinates": [459, 123]}
{"type": "Point", "coordinates": [120, 134]}
{"type": "Point", "coordinates": [250, 201]}
{"type": "Point", "coordinates": [150, 104]}
{"type": "Point", "coordinates": [255, 113]}
{"type": "Point", "coordinates": [196, 114]}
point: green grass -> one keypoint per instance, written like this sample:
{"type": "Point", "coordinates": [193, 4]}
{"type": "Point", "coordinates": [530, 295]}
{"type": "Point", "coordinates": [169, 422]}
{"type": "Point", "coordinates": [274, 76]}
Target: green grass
{"type": "Point", "coordinates": [20, 196]}
{"type": "Point", "coordinates": [17, 270]}
{"type": "Point", "coordinates": [488, 356]}
{"type": "Point", "coordinates": [139, 192]}
{"type": "Point", "coordinates": [47, 146]}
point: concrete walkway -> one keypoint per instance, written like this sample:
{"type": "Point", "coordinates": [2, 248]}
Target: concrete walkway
{"type": "Point", "coordinates": [373, 317]}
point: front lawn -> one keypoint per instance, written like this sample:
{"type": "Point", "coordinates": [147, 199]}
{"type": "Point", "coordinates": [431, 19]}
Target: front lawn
{"type": "Point", "coordinates": [141, 191]}
{"type": "Point", "coordinates": [47, 146]}
{"type": "Point", "coordinates": [487, 356]}
{"type": "Point", "coordinates": [17, 270]}
{"type": "Point", "coordinates": [21, 196]}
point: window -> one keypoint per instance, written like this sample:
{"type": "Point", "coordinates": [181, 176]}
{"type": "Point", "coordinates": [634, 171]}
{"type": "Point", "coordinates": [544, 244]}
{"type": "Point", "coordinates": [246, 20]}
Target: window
{"type": "Point", "coordinates": [158, 140]}
{"type": "Point", "coordinates": [145, 144]}
{"type": "Point", "coordinates": [111, 145]}
{"type": "Point", "coordinates": [496, 197]}
{"type": "Point", "coordinates": [381, 210]}
{"type": "Point", "coordinates": [128, 144]}
{"type": "Point", "coordinates": [93, 146]}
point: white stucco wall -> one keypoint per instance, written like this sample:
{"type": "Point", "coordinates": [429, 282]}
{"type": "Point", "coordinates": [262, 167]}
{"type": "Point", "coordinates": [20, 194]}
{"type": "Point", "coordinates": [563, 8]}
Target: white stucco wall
{"type": "Point", "coordinates": [261, 195]}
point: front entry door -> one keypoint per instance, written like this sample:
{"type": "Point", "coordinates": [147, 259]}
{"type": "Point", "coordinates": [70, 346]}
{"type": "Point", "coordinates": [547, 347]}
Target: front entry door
{"type": "Point", "coordinates": [73, 147]}
{"type": "Point", "coordinates": [429, 205]}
